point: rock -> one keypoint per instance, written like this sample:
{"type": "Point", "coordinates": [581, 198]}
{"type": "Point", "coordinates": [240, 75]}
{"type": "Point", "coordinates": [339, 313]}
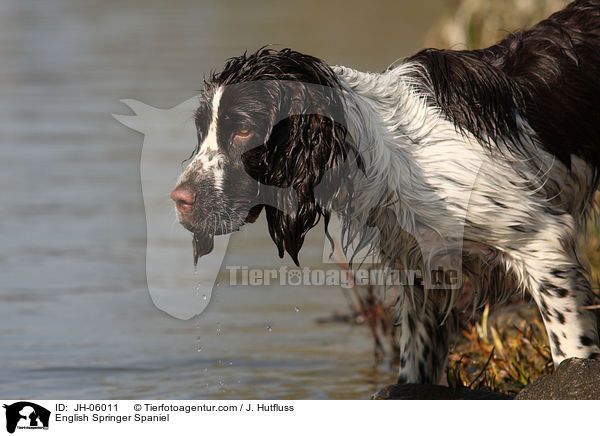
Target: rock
{"type": "Point", "coordinates": [574, 379]}
{"type": "Point", "coordinates": [434, 392]}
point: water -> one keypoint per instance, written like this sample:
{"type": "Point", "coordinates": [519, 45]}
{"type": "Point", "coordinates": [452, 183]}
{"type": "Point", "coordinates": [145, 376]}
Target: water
{"type": "Point", "coordinates": [76, 320]}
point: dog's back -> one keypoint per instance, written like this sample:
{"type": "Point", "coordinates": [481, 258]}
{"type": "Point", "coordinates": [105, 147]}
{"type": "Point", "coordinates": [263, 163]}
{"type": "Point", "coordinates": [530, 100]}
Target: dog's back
{"type": "Point", "coordinates": [556, 65]}
{"type": "Point", "coordinates": [549, 74]}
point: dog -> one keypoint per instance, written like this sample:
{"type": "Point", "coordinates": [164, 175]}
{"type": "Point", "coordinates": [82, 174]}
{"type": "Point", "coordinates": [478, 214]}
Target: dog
{"type": "Point", "coordinates": [485, 160]}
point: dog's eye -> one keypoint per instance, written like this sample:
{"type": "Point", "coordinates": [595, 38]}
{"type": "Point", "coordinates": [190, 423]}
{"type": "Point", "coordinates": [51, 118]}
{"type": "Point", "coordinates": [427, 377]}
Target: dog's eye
{"type": "Point", "coordinates": [243, 133]}
{"type": "Point", "coordinates": [241, 136]}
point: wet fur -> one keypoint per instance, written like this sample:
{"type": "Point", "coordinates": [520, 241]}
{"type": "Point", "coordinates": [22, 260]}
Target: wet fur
{"type": "Point", "coordinates": [489, 158]}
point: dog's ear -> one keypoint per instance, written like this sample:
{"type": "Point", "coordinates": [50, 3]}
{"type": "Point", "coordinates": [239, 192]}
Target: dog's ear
{"type": "Point", "coordinates": [301, 150]}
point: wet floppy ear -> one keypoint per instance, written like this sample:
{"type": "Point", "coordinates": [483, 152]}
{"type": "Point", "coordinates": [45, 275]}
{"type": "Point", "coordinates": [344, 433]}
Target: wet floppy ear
{"type": "Point", "coordinates": [301, 150]}
{"type": "Point", "coordinates": [288, 229]}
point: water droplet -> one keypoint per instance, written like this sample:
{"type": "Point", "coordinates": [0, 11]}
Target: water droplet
{"type": "Point", "coordinates": [230, 363]}
{"type": "Point", "coordinates": [269, 328]}
{"type": "Point", "coordinates": [204, 297]}
{"type": "Point", "coordinates": [218, 284]}
{"type": "Point", "coordinates": [199, 349]}
{"type": "Point", "coordinates": [296, 309]}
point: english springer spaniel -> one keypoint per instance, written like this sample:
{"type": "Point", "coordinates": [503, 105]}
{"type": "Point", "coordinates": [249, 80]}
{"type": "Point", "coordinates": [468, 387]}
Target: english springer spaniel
{"type": "Point", "coordinates": [483, 160]}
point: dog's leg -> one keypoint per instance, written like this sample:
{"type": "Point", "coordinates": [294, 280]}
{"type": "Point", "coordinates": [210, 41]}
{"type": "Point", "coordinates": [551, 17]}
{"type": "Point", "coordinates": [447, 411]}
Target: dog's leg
{"type": "Point", "coordinates": [559, 284]}
{"type": "Point", "coordinates": [424, 335]}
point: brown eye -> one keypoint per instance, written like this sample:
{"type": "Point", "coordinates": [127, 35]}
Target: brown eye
{"type": "Point", "coordinates": [241, 136]}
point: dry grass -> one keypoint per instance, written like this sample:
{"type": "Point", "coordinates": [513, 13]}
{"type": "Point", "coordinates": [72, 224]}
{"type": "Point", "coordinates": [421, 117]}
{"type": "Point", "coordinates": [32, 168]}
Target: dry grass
{"type": "Point", "coordinates": [503, 354]}
{"type": "Point", "coordinates": [480, 23]}
{"type": "Point", "coordinates": [499, 357]}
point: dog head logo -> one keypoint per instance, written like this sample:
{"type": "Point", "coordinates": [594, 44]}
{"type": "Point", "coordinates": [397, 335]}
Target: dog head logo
{"type": "Point", "coordinates": [169, 135]}
{"type": "Point", "coordinates": [26, 415]}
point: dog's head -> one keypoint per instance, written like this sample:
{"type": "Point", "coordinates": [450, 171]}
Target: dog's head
{"type": "Point", "coordinates": [269, 125]}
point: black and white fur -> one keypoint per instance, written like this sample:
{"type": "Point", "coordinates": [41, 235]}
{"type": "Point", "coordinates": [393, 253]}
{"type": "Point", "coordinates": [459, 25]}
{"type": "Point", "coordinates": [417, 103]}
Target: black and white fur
{"type": "Point", "coordinates": [503, 142]}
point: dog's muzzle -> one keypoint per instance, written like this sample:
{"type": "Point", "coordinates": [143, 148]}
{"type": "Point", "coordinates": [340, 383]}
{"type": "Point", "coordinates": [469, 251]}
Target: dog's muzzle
{"type": "Point", "coordinates": [185, 199]}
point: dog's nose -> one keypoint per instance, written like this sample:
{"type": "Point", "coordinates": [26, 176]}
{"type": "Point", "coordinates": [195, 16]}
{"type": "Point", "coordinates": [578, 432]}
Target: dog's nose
{"type": "Point", "coordinates": [184, 198]}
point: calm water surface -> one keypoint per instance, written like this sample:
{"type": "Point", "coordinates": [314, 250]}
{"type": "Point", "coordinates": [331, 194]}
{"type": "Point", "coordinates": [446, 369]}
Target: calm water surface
{"type": "Point", "coordinates": [76, 320]}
